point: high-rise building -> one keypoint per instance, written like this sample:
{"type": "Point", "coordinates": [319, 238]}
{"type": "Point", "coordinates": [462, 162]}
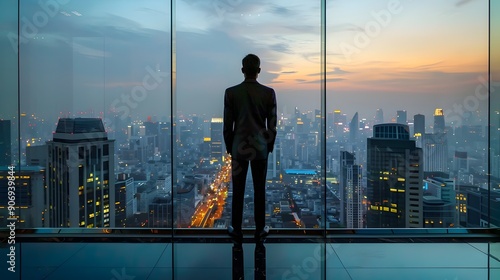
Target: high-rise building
{"type": "Point", "coordinates": [439, 124]}
{"type": "Point", "coordinates": [401, 117]}
{"type": "Point", "coordinates": [435, 146]}
{"type": "Point", "coordinates": [439, 202]}
{"type": "Point", "coordinates": [5, 143]}
{"type": "Point", "coordinates": [419, 125]}
{"type": "Point", "coordinates": [124, 204]}
{"type": "Point", "coordinates": [394, 178]}
{"type": "Point", "coordinates": [379, 117]}
{"type": "Point", "coordinates": [354, 132]}
{"type": "Point", "coordinates": [164, 138]}
{"type": "Point", "coordinates": [29, 188]}
{"type": "Point", "coordinates": [80, 175]}
{"type": "Point", "coordinates": [350, 189]}
{"type": "Point", "coordinates": [274, 161]}
{"type": "Point", "coordinates": [217, 147]}
{"type": "Point", "coordinates": [339, 122]}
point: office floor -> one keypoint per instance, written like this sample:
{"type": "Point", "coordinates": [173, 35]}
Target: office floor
{"type": "Point", "coordinates": [287, 261]}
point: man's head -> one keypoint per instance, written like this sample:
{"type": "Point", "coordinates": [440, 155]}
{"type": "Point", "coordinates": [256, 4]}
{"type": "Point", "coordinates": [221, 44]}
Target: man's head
{"type": "Point", "coordinates": [251, 66]}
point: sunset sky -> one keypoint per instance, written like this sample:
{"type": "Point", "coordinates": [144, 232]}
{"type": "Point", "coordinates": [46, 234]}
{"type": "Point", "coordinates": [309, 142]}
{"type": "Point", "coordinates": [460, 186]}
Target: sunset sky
{"type": "Point", "coordinates": [420, 55]}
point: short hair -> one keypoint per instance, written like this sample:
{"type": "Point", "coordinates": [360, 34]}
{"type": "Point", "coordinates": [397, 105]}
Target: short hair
{"type": "Point", "coordinates": [251, 64]}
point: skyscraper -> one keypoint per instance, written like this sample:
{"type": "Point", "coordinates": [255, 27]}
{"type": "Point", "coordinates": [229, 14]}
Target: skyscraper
{"type": "Point", "coordinates": [350, 178]}
{"type": "Point", "coordinates": [29, 184]}
{"type": "Point", "coordinates": [419, 125]}
{"type": "Point", "coordinates": [5, 143]}
{"type": "Point", "coordinates": [435, 151]}
{"type": "Point", "coordinates": [401, 117]}
{"type": "Point", "coordinates": [379, 117]}
{"type": "Point", "coordinates": [354, 131]}
{"type": "Point", "coordinates": [439, 125]}
{"type": "Point", "coordinates": [339, 121]}
{"type": "Point", "coordinates": [274, 161]}
{"type": "Point", "coordinates": [80, 175]}
{"type": "Point", "coordinates": [217, 144]}
{"type": "Point", "coordinates": [394, 178]}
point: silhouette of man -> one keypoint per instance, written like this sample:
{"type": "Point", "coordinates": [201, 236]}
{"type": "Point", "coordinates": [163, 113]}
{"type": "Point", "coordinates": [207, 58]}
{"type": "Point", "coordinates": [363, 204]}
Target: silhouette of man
{"type": "Point", "coordinates": [249, 134]}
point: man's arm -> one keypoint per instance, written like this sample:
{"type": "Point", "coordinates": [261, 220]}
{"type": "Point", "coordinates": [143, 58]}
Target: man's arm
{"type": "Point", "coordinates": [228, 125]}
{"type": "Point", "coordinates": [272, 120]}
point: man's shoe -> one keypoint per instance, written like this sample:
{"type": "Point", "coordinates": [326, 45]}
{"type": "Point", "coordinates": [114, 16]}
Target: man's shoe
{"type": "Point", "coordinates": [260, 237]}
{"type": "Point", "coordinates": [236, 235]}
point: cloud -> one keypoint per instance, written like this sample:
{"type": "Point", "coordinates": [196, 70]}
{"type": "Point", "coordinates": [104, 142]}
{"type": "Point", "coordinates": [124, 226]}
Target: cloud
{"type": "Point", "coordinates": [289, 72]}
{"type": "Point", "coordinates": [462, 2]}
{"type": "Point", "coordinates": [335, 71]}
{"type": "Point", "coordinates": [281, 47]}
{"type": "Point", "coordinates": [338, 71]}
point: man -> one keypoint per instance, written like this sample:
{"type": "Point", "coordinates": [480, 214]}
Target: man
{"type": "Point", "coordinates": [249, 134]}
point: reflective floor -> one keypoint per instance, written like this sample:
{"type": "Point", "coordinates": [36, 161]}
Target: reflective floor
{"type": "Point", "coordinates": [292, 261]}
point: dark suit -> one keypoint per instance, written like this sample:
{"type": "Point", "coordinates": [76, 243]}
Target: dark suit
{"type": "Point", "coordinates": [249, 134]}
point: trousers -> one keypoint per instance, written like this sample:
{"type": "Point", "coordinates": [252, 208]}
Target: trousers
{"type": "Point", "coordinates": [239, 174]}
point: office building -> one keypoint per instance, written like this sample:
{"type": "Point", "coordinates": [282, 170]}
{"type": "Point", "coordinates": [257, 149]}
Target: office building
{"type": "Point", "coordinates": [439, 124]}
{"type": "Point", "coordinates": [401, 117]}
{"type": "Point", "coordinates": [351, 193]}
{"type": "Point", "coordinates": [217, 147]}
{"type": "Point", "coordinates": [394, 178]}
{"type": "Point", "coordinates": [439, 203]}
{"type": "Point", "coordinates": [5, 143]}
{"type": "Point", "coordinates": [435, 150]}
{"type": "Point", "coordinates": [29, 196]}
{"type": "Point", "coordinates": [80, 175]}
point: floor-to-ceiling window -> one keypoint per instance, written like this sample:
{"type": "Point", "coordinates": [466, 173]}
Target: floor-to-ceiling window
{"type": "Point", "coordinates": [418, 67]}
{"type": "Point", "coordinates": [419, 73]}
{"type": "Point", "coordinates": [108, 61]}
{"type": "Point", "coordinates": [211, 39]}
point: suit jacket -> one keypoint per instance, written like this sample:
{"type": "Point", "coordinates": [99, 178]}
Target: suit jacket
{"type": "Point", "coordinates": [249, 120]}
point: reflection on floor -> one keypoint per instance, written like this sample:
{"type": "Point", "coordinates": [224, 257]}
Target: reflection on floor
{"type": "Point", "coordinates": [290, 261]}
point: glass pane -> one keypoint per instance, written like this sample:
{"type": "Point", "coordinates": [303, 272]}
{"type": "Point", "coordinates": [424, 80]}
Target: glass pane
{"type": "Point", "coordinates": [11, 194]}
{"type": "Point", "coordinates": [211, 40]}
{"type": "Point", "coordinates": [95, 101]}
{"type": "Point", "coordinates": [406, 128]}
{"type": "Point", "coordinates": [494, 113]}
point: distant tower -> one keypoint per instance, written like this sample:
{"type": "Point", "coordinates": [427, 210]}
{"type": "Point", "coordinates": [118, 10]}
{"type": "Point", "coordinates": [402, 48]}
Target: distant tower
{"type": "Point", "coordinates": [394, 178]}
{"type": "Point", "coordinates": [419, 129]}
{"type": "Point", "coordinates": [339, 121]}
{"type": "Point", "coordinates": [419, 125]}
{"type": "Point", "coordinates": [274, 161]}
{"type": "Point", "coordinates": [80, 175]}
{"type": "Point", "coordinates": [5, 143]}
{"type": "Point", "coordinates": [379, 117]}
{"type": "Point", "coordinates": [439, 126]}
{"type": "Point", "coordinates": [350, 177]}
{"type": "Point", "coordinates": [435, 146]}
{"type": "Point", "coordinates": [354, 128]}
{"type": "Point", "coordinates": [217, 147]}
{"type": "Point", "coordinates": [401, 117]}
